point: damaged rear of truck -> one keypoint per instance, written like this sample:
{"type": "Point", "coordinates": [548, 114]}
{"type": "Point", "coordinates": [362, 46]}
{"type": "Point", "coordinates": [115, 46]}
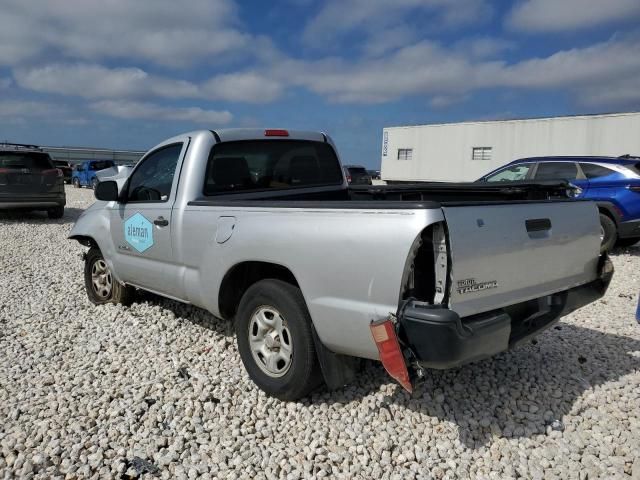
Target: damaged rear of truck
{"type": "Point", "coordinates": [260, 227]}
{"type": "Point", "coordinates": [502, 266]}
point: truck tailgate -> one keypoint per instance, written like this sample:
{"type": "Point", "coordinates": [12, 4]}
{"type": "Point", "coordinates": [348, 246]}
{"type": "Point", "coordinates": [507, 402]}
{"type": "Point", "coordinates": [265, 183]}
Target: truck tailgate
{"type": "Point", "coordinates": [510, 253]}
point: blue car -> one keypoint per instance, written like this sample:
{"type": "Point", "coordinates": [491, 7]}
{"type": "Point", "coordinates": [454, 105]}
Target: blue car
{"type": "Point", "coordinates": [84, 174]}
{"type": "Point", "coordinates": [612, 182]}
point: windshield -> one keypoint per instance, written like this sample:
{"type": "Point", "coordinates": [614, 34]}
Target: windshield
{"type": "Point", "coordinates": [30, 160]}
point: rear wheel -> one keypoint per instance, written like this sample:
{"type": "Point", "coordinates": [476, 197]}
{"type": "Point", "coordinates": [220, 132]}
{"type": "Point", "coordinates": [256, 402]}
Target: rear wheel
{"type": "Point", "coordinates": [608, 233]}
{"type": "Point", "coordinates": [55, 212]}
{"type": "Point", "coordinates": [76, 183]}
{"type": "Point", "coordinates": [99, 282]}
{"type": "Point", "coordinates": [273, 330]}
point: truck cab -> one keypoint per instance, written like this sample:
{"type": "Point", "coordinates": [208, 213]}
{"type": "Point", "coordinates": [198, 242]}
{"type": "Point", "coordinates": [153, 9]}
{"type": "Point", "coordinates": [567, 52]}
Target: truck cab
{"type": "Point", "coordinates": [84, 174]}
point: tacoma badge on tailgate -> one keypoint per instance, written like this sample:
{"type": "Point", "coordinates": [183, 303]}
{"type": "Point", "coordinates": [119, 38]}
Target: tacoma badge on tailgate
{"type": "Point", "coordinates": [469, 285]}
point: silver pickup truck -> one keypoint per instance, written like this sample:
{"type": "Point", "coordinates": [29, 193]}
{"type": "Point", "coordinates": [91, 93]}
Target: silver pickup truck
{"type": "Point", "coordinates": [260, 227]}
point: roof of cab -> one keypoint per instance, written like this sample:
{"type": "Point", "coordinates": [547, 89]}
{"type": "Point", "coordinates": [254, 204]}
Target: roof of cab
{"type": "Point", "coordinates": [236, 134]}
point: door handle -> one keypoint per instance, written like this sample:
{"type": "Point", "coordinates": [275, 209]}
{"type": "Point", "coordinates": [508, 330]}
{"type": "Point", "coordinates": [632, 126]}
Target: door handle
{"type": "Point", "coordinates": [538, 224]}
{"type": "Point", "coordinates": [161, 222]}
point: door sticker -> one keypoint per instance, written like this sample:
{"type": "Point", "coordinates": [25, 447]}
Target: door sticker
{"type": "Point", "coordinates": [138, 232]}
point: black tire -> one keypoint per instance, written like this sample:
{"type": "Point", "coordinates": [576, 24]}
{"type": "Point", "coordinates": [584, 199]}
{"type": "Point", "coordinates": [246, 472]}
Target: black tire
{"type": "Point", "coordinates": [94, 183]}
{"type": "Point", "coordinates": [117, 293]}
{"type": "Point", "coordinates": [627, 242]}
{"type": "Point", "coordinates": [609, 231]}
{"type": "Point", "coordinates": [76, 183]}
{"type": "Point", "coordinates": [55, 212]}
{"type": "Point", "coordinates": [303, 374]}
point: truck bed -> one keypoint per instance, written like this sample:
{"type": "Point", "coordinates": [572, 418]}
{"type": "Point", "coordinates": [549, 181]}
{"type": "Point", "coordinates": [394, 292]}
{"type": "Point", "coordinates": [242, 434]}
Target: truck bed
{"type": "Point", "coordinates": [408, 196]}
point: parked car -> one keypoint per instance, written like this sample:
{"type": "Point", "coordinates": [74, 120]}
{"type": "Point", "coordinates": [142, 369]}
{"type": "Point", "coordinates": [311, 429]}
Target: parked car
{"type": "Point", "coordinates": [356, 175]}
{"type": "Point", "coordinates": [612, 182]}
{"type": "Point", "coordinates": [30, 181]}
{"type": "Point", "coordinates": [66, 169]}
{"type": "Point", "coordinates": [315, 274]}
{"type": "Point", "coordinates": [84, 174]}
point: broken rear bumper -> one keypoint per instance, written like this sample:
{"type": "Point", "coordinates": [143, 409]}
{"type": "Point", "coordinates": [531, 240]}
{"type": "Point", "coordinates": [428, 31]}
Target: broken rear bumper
{"type": "Point", "coordinates": [438, 338]}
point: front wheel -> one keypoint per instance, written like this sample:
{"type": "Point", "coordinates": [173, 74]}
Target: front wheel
{"type": "Point", "coordinates": [273, 330]}
{"type": "Point", "coordinates": [608, 233]}
{"type": "Point", "coordinates": [99, 282]}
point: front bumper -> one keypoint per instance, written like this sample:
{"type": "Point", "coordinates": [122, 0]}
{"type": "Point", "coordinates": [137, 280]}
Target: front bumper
{"type": "Point", "coordinates": [437, 337]}
{"type": "Point", "coordinates": [630, 229]}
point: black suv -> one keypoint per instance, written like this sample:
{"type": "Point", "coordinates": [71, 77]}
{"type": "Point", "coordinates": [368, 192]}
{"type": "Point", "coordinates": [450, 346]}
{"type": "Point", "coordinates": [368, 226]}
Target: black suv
{"type": "Point", "coordinates": [30, 181]}
{"type": "Point", "coordinates": [356, 175]}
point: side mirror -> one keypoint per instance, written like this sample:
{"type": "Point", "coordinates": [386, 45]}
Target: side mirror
{"type": "Point", "coordinates": [107, 191]}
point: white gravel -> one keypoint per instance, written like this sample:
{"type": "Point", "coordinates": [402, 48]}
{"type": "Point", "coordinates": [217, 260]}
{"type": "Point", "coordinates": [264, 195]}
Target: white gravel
{"type": "Point", "coordinates": [159, 388]}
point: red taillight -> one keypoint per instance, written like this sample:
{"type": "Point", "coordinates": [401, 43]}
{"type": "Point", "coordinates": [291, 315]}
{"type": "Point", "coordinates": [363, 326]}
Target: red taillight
{"type": "Point", "coordinates": [348, 178]}
{"type": "Point", "coordinates": [274, 132]}
{"type": "Point", "coordinates": [4, 170]}
{"type": "Point", "coordinates": [384, 334]}
{"type": "Point", "coordinates": [53, 171]}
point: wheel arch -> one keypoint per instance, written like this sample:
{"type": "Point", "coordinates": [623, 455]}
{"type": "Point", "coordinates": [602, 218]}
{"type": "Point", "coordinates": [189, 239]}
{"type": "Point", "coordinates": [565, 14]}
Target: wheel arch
{"type": "Point", "coordinates": [610, 210]}
{"type": "Point", "coordinates": [244, 274]}
{"type": "Point", "coordinates": [85, 240]}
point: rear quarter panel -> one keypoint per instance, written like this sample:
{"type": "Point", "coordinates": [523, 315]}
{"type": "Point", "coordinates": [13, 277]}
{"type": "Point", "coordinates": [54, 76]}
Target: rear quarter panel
{"type": "Point", "coordinates": [348, 263]}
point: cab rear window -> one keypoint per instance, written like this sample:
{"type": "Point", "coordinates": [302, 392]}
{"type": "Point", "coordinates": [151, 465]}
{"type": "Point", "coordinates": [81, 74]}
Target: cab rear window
{"type": "Point", "coordinates": [29, 160]}
{"type": "Point", "coordinates": [269, 165]}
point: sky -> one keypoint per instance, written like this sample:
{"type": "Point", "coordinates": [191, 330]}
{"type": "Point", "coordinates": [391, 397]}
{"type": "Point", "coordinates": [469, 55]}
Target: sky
{"type": "Point", "coordinates": [128, 74]}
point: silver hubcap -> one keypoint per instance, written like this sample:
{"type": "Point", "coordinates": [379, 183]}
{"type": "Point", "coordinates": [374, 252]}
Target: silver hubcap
{"type": "Point", "coordinates": [101, 279]}
{"type": "Point", "coordinates": [270, 341]}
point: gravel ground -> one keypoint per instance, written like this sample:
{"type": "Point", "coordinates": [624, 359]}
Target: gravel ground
{"type": "Point", "coordinates": [158, 390]}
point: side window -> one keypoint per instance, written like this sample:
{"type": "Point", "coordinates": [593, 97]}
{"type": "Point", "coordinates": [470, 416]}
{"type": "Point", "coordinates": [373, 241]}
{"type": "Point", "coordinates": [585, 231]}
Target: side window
{"type": "Point", "coordinates": [556, 171]}
{"type": "Point", "coordinates": [511, 174]}
{"type": "Point", "coordinates": [591, 170]}
{"type": "Point", "coordinates": [152, 180]}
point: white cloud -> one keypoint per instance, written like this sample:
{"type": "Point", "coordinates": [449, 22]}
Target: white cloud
{"type": "Point", "coordinates": [143, 110]}
{"type": "Point", "coordinates": [623, 93]}
{"type": "Point", "coordinates": [390, 39]}
{"type": "Point", "coordinates": [428, 69]}
{"type": "Point", "coordinates": [484, 47]}
{"type": "Point", "coordinates": [423, 68]}
{"type": "Point", "coordinates": [563, 15]}
{"type": "Point", "coordinates": [377, 17]}
{"type": "Point", "coordinates": [23, 112]}
{"type": "Point", "coordinates": [165, 32]}
{"type": "Point", "coordinates": [28, 108]}
{"type": "Point", "coordinates": [250, 87]}
{"type": "Point", "coordinates": [95, 81]}
{"type": "Point", "coordinates": [596, 66]}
